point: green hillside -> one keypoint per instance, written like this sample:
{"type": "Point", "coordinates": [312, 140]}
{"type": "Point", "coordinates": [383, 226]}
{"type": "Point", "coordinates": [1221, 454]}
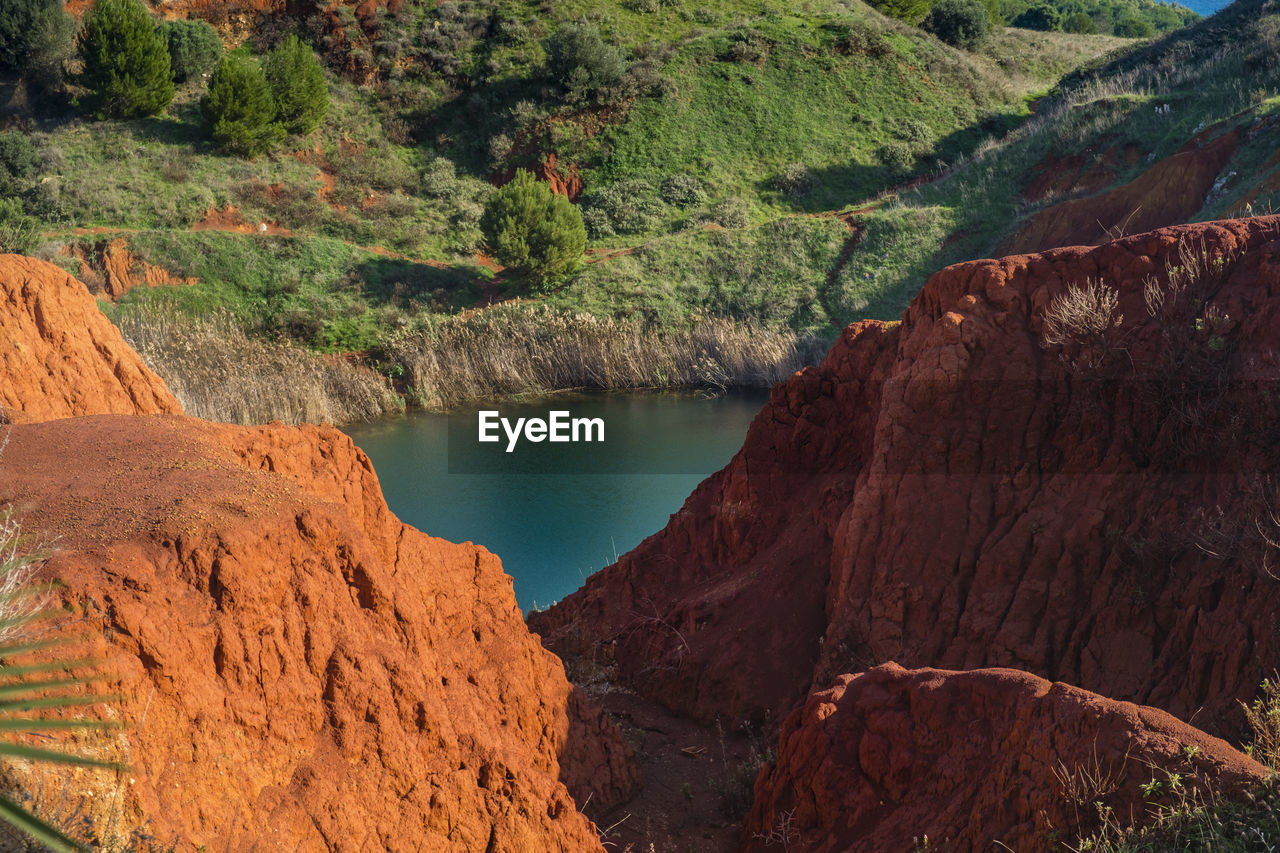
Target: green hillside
{"type": "Point", "coordinates": [737, 159]}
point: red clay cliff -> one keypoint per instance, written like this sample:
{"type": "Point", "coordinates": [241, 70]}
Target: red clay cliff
{"type": "Point", "coordinates": [950, 491]}
{"type": "Point", "coordinates": [299, 669]}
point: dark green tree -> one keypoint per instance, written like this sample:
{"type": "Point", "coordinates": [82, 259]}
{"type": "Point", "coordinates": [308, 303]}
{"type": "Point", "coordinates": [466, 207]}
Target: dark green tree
{"type": "Point", "coordinates": [534, 232]}
{"type": "Point", "coordinates": [1080, 23]}
{"type": "Point", "coordinates": [126, 61]}
{"type": "Point", "coordinates": [18, 20]}
{"type": "Point", "coordinates": [194, 47]}
{"type": "Point", "coordinates": [239, 108]}
{"type": "Point", "coordinates": [1131, 26]}
{"type": "Point", "coordinates": [35, 41]}
{"type": "Point", "coordinates": [1039, 17]}
{"type": "Point", "coordinates": [297, 82]}
{"type": "Point", "coordinates": [960, 23]}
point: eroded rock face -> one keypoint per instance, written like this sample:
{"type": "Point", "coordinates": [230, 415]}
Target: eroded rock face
{"type": "Point", "coordinates": [59, 357]}
{"type": "Point", "coordinates": [950, 491]}
{"type": "Point", "coordinates": [880, 760]}
{"type": "Point", "coordinates": [300, 669]}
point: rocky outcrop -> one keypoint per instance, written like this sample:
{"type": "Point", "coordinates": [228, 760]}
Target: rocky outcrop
{"type": "Point", "coordinates": [951, 491]}
{"type": "Point", "coordinates": [59, 357]}
{"type": "Point", "coordinates": [974, 760]}
{"type": "Point", "coordinates": [299, 669]}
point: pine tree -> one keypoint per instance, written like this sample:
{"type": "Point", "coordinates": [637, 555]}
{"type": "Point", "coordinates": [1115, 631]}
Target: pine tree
{"type": "Point", "coordinates": [534, 232]}
{"type": "Point", "coordinates": [126, 61]}
{"type": "Point", "coordinates": [297, 82]}
{"type": "Point", "coordinates": [239, 108]}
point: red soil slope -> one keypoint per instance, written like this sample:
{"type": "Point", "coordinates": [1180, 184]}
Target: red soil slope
{"type": "Point", "coordinates": [1169, 192]}
{"type": "Point", "coordinates": [949, 492]}
{"type": "Point", "coordinates": [59, 357]}
{"type": "Point", "coordinates": [299, 669]}
{"type": "Point", "coordinates": [883, 759]}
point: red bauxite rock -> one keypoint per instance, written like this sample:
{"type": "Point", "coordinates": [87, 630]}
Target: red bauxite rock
{"type": "Point", "coordinates": [883, 759]}
{"type": "Point", "coordinates": [59, 357]}
{"type": "Point", "coordinates": [300, 669]}
{"type": "Point", "coordinates": [950, 491]}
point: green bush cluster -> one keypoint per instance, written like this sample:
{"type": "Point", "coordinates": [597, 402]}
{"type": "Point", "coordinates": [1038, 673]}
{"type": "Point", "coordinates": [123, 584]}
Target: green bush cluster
{"type": "Point", "coordinates": [627, 207]}
{"type": "Point", "coordinates": [250, 109]}
{"type": "Point", "coordinates": [960, 23]}
{"type": "Point", "coordinates": [587, 68]}
{"type": "Point", "coordinates": [683, 191]}
{"type": "Point", "coordinates": [1126, 18]}
{"type": "Point", "coordinates": [194, 48]}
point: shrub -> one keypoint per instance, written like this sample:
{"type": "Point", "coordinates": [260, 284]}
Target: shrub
{"type": "Point", "coordinates": [194, 47]}
{"type": "Point", "coordinates": [1041, 17]}
{"type": "Point", "coordinates": [297, 82]}
{"type": "Point", "coordinates": [537, 234]}
{"type": "Point", "coordinates": [911, 11]}
{"type": "Point", "coordinates": [627, 207]}
{"type": "Point", "coordinates": [440, 178]}
{"type": "Point", "coordinates": [915, 132]}
{"type": "Point", "coordinates": [683, 191]}
{"type": "Point", "coordinates": [795, 179]}
{"type": "Point", "coordinates": [960, 23]}
{"type": "Point", "coordinates": [862, 37]}
{"type": "Point", "coordinates": [18, 158]}
{"type": "Point", "coordinates": [19, 233]}
{"type": "Point", "coordinates": [580, 61]}
{"type": "Point", "coordinates": [1080, 23]}
{"type": "Point", "coordinates": [1263, 717]}
{"type": "Point", "coordinates": [897, 153]}
{"type": "Point", "coordinates": [126, 61]}
{"type": "Point", "coordinates": [239, 108]}
{"type": "Point", "coordinates": [731, 213]}
{"type": "Point", "coordinates": [748, 48]}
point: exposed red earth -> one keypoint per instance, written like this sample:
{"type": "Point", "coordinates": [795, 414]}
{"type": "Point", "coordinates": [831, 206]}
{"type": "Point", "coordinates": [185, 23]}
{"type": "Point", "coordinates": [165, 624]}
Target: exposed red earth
{"type": "Point", "coordinates": [973, 760]}
{"type": "Point", "coordinates": [947, 491]}
{"type": "Point", "coordinates": [299, 669]}
{"type": "Point", "coordinates": [1169, 192]}
{"type": "Point", "coordinates": [59, 357]}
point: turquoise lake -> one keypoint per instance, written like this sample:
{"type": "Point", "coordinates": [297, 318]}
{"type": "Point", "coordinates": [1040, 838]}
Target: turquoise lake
{"type": "Point", "coordinates": [555, 514]}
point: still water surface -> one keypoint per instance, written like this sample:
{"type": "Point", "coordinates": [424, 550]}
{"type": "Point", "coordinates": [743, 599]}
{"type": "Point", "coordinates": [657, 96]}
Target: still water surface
{"type": "Point", "coordinates": [552, 530]}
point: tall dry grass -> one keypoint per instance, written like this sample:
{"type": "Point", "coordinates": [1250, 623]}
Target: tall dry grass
{"type": "Point", "coordinates": [521, 351]}
{"type": "Point", "coordinates": [219, 373]}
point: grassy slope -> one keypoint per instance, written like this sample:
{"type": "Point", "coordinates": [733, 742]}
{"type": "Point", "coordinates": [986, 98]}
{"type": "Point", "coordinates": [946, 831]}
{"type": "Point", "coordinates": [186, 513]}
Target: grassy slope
{"type": "Point", "coordinates": [1221, 70]}
{"type": "Point", "coordinates": [733, 124]}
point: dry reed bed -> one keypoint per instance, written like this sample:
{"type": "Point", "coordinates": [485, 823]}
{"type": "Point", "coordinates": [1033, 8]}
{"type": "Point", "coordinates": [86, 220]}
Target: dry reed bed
{"type": "Point", "coordinates": [219, 373]}
{"type": "Point", "coordinates": [512, 352]}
